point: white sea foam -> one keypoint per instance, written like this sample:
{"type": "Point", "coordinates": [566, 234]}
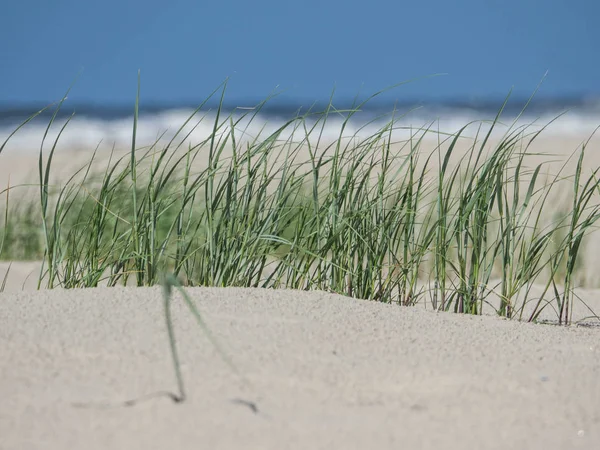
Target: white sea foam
{"type": "Point", "coordinates": [87, 133]}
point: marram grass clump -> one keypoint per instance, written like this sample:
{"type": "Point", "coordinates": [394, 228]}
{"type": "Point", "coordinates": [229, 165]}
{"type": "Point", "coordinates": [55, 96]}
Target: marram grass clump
{"type": "Point", "coordinates": [372, 218]}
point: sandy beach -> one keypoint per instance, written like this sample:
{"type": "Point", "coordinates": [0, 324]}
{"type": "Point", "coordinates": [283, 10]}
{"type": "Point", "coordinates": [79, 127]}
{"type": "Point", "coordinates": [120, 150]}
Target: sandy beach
{"type": "Point", "coordinates": [92, 368]}
{"type": "Point", "coordinates": [304, 226]}
{"type": "Point", "coordinates": [315, 371]}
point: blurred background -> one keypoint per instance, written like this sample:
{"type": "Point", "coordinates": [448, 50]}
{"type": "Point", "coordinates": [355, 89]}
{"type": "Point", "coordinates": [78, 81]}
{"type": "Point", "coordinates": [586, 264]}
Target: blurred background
{"type": "Point", "coordinates": [304, 51]}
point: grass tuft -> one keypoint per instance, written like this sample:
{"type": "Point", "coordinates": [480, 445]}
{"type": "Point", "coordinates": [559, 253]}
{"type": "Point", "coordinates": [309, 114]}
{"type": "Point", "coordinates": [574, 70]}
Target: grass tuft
{"type": "Point", "coordinates": [368, 217]}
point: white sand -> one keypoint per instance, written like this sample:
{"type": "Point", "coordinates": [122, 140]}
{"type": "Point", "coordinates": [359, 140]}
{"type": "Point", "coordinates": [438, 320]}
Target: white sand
{"type": "Point", "coordinates": [323, 370]}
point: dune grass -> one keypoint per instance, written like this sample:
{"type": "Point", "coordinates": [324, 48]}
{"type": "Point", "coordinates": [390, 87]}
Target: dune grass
{"type": "Point", "coordinates": [370, 217]}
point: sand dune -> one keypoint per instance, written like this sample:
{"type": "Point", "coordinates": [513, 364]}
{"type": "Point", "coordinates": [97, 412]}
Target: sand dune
{"type": "Point", "coordinates": [322, 371]}
{"type": "Point", "coordinates": [316, 370]}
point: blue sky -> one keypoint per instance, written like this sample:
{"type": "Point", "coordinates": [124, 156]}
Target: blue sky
{"type": "Point", "coordinates": [185, 48]}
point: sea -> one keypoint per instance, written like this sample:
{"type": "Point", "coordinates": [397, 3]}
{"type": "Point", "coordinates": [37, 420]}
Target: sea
{"type": "Point", "coordinates": [87, 126]}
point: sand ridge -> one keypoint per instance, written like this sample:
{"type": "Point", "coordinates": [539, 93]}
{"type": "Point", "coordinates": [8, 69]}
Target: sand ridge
{"type": "Point", "coordinates": [318, 370]}
{"type": "Point", "coordinates": [322, 370]}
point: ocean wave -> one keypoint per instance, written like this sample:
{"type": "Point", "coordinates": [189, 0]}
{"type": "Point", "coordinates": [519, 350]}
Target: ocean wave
{"type": "Point", "coordinates": [86, 133]}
